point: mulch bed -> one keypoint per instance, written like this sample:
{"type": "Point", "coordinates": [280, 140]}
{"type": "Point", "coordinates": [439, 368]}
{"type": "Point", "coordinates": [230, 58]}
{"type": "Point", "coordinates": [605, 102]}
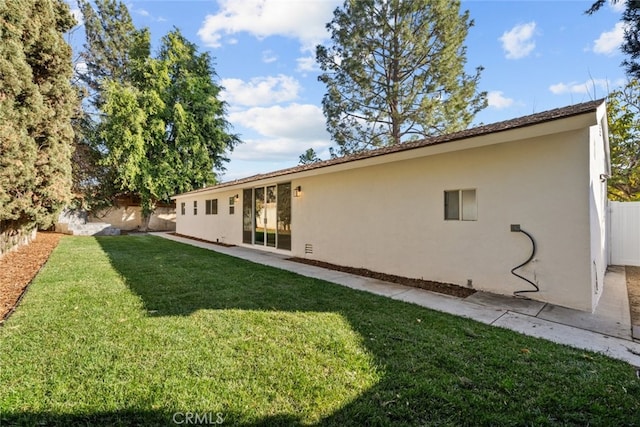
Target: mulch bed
{"type": "Point", "coordinates": [226, 245]}
{"type": "Point", "coordinates": [19, 267]}
{"type": "Point", "coordinates": [442, 288]}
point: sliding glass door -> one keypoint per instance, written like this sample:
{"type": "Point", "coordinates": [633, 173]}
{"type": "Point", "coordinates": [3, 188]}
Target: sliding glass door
{"type": "Point", "coordinates": [267, 216]}
{"type": "Point", "coordinates": [247, 217]}
{"type": "Point", "coordinates": [284, 216]}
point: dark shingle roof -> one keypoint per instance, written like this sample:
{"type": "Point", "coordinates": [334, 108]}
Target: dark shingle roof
{"type": "Point", "coordinates": [520, 122]}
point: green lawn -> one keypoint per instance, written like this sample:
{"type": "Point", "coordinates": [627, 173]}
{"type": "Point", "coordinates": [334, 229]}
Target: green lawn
{"type": "Point", "coordinates": [138, 330]}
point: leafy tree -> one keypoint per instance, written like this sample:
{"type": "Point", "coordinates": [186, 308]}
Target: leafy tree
{"type": "Point", "coordinates": [93, 183]}
{"type": "Point", "coordinates": [197, 131]}
{"type": "Point", "coordinates": [623, 111]}
{"type": "Point", "coordinates": [309, 156]}
{"type": "Point", "coordinates": [36, 105]}
{"type": "Point", "coordinates": [395, 71]}
{"type": "Point", "coordinates": [160, 126]}
{"type": "Point", "coordinates": [165, 132]}
{"type": "Point", "coordinates": [631, 44]}
{"type": "Point", "coordinates": [110, 35]}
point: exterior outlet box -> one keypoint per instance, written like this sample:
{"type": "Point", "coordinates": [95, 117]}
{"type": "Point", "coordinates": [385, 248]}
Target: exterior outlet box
{"type": "Point", "coordinates": [515, 227]}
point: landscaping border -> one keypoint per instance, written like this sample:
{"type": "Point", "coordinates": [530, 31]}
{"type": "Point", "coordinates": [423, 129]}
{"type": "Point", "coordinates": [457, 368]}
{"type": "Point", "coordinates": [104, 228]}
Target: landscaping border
{"type": "Point", "coordinates": [429, 285]}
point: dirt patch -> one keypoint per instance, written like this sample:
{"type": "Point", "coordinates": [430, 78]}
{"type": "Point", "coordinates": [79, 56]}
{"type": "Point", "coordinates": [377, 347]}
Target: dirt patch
{"type": "Point", "coordinates": [633, 288]}
{"type": "Point", "coordinates": [18, 268]}
{"type": "Point", "coordinates": [442, 288]}
{"type": "Point", "coordinates": [226, 245]}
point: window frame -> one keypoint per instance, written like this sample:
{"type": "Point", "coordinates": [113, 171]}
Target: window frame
{"type": "Point", "coordinates": [195, 207]}
{"type": "Point", "coordinates": [232, 205]}
{"type": "Point", "coordinates": [211, 207]}
{"type": "Point", "coordinates": [183, 208]}
{"type": "Point", "coordinates": [467, 206]}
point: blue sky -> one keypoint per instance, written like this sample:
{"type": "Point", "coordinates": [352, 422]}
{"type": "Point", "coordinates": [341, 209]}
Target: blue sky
{"type": "Point", "coordinates": [536, 55]}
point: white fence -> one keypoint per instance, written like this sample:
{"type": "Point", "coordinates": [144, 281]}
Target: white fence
{"type": "Point", "coordinates": [624, 221]}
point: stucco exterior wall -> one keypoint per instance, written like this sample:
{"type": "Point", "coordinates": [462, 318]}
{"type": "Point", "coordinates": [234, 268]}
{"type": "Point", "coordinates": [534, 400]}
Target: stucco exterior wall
{"type": "Point", "coordinates": [389, 217]}
{"type": "Point", "coordinates": [223, 227]}
{"type": "Point", "coordinates": [598, 202]}
{"type": "Point", "coordinates": [130, 218]}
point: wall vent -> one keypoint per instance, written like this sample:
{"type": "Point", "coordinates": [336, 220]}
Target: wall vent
{"type": "Point", "coordinates": [308, 248]}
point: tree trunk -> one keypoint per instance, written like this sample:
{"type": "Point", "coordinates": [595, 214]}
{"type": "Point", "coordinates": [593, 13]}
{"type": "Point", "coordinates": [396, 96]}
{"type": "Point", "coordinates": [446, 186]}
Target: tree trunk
{"type": "Point", "coordinates": [144, 222]}
{"type": "Point", "coordinates": [148, 207]}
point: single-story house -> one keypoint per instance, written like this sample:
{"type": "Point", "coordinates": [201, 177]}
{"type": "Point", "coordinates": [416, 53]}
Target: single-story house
{"type": "Point", "coordinates": [456, 208]}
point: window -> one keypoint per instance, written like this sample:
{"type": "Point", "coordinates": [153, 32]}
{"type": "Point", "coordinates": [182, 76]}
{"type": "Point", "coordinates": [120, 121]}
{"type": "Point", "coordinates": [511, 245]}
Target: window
{"type": "Point", "coordinates": [183, 208]}
{"type": "Point", "coordinates": [460, 205]}
{"type": "Point", "coordinates": [195, 207]}
{"type": "Point", "coordinates": [211, 207]}
{"type": "Point", "coordinates": [232, 207]}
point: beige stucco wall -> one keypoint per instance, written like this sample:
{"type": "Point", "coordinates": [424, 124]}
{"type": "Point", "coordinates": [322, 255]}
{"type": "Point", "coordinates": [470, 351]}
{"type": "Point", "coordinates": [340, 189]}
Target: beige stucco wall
{"type": "Point", "coordinates": [598, 202]}
{"type": "Point", "coordinates": [223, 227]}
{"type": "Point", "coordinates": [130, 218]}
{"type": "Point", "coordinates": [389, 216]}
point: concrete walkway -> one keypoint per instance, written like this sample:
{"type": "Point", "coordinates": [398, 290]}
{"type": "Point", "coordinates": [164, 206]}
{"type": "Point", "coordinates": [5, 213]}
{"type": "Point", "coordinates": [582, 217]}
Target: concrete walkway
{"type": "Point", "coordinates": [607, 330]}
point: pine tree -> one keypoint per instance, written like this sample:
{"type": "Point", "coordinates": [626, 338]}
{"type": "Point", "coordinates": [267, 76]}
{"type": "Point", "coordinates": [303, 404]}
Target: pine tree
{"type": "Point", "coordinates": [36, 105]}
{"type": "Point", "coordinates": [395, 71]}
{"type": "Point", "coordinates": [110, 33]}
{"type": "Point", "coordinates": [308, 157]}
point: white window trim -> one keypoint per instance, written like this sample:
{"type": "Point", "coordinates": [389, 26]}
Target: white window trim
{"type": "Point", "coordinates": [463, 214]}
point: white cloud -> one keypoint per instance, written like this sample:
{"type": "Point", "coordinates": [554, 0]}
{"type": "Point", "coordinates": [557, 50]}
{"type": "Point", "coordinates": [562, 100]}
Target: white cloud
{"type": "Point", "coordinates": [497, 100]}
{"type": "Point", "coordinates": [609, 41]}
{"type": "Point", "coordinates": [147, 14]}
{"type": "Point", "coordinates": [292, 121]}
{"type": "Point", "coordinates": [518, 41]}
{"type": "Point", "coordinates": [284, 132]}
{"type": "Point", "coordinates": [307, 63]}
{"type": "Point", "coordinates": [260, 90]}
{"type": "Point", "coordinates": [304, 20]}
{"type": "Point", "coordinates": [618, 6]}
{"type": "Point", "coordinates": [268, 56]}
{"type": "Point", "coordinates": [589, 87]}
{"type": "Point", "coordinates": [142, 12]}
{"type": "Point", "coordinates": [279, 149]}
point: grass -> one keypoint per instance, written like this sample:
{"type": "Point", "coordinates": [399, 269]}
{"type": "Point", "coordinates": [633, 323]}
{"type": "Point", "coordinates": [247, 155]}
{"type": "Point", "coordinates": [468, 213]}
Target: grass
{"type": "Point", "coordinates": [133, 330]}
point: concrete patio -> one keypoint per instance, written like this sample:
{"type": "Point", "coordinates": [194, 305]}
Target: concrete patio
{"type": "Point", "coordinates": [608, 330]}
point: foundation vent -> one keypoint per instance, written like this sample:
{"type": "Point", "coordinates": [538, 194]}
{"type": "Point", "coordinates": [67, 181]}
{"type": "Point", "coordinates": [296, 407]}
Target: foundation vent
{"type": "Point", "coordinates": [308, 248]}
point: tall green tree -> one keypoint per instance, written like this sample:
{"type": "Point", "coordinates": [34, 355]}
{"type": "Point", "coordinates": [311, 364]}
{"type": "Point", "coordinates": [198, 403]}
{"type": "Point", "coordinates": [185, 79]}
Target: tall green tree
{"type": "Point", "coordinates": [165, 131]}
{"type": "Point", "coordinates": [623, 109]}
{"type": "Point", "coordinates": [631, 44]}
{"type": "Point", "coordinates": [198, 133]}
{"type": "Point", "coordinates": [395, 71]}
{"type": "Point", "coordinates": [36, 106]}
{"type": "Point", "coordinates": [110, 35]}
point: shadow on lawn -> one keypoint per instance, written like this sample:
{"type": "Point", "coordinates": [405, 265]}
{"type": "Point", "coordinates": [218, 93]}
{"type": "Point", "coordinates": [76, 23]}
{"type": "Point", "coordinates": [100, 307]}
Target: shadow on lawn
{"type": "Point", "coordinates": [422, 384]}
